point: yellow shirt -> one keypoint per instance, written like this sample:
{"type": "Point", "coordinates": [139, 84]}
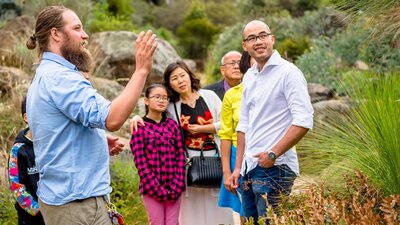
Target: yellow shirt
{"type": "Point", "coordinates": [230, 114]}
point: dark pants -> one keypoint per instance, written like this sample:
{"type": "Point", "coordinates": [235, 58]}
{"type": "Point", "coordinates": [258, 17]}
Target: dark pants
{"type": "Point", "coordinates": [263, 186]}
{"type": "Point", "coordinates": [25, 218]}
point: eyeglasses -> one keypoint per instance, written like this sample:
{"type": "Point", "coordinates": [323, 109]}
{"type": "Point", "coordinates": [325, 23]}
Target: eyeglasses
{"type": "Point", "coordinates": [159, 98]}
{"type": "Point", "coordinates": [232, 63]}
{"type": "Point", "coordinates": [253, 38]}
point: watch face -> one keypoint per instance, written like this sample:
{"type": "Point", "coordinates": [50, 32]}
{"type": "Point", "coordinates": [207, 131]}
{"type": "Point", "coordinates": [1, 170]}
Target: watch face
{"type": "Point", "coordinates": [271, 155]}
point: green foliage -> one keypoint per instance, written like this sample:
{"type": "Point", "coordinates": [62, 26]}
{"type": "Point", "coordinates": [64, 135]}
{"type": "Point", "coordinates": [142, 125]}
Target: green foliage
{"type": "Point", "coordinates": [319, 64]}
{"type": "Point", "coordinates": [328, 57]}
{"type": "Point", "coordinates": [125, 195]}
{"type": "Point", "coordinates": [230, 39]}
{"type": "Point", "coordinates": [102, 20]}
{"type": "Point", "coordinates": [260, 8]}
{"type": "Point", "coordinates": [10, 123]}
{"type": "Point", "coordinates": [8, 214]}
{"type": "Point", "coordinates": [120, 7]}
{"type": "Point", "coordinates": [381, 55]}
{"type": "Point", "coordinates": [292, 48]}
{"type": "Point", "coordinates": [368, 135]}
{"type": "Point", "coordinates": [196, 33]}
{"type": "Point", "coordinates": [144, 14]}
{"type": "Point", "coordinates": [81, 7]}
{"type": "Point", "coordinates": [171, 16]}
{"type": "Point", "coordinates": [222, 13]}
{"type": "Point", "coordinates": [257, 8]}
{"type": "Point", "coordinates": [322, 22]}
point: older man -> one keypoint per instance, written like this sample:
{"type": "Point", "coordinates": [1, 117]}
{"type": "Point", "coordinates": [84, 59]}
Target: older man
{"type": "Point", "coordinates": [230, 70]}
{"type": "Point", "coordinates": [68, 119]}
{"type": "Point", "coordinates": [275, 113]}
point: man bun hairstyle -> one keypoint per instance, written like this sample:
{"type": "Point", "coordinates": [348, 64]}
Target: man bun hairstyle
{"type": "Point", "coordinates": [49, 18]}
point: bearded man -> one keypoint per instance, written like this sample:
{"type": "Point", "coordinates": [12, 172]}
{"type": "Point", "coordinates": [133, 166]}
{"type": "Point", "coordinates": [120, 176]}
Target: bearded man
{"type": "Point", "coordinates": [68, 119]}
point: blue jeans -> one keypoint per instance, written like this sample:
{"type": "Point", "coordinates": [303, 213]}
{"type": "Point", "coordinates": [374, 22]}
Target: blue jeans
{"type": "Point", "coordinates": [259, 182]}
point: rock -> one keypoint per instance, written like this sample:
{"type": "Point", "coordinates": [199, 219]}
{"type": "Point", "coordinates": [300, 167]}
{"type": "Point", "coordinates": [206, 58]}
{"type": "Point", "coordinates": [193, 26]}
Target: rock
{"type": "Point", "coordinates": [361, 65]}
{"type": "Point", "coordinates": [114, 56]}
{"type": "Point", "coordinates": [10, 78]}
{"type": "Point", "coordinates": [14, 33]}
{"type": "Point", "coordinates": [324, 109]}
{"type": "Point", "coordinates": [318, 92]}
{"type": "Point", "coordinates": [109, 89]}
{"type": "Point", "coordinates": [191, 64]}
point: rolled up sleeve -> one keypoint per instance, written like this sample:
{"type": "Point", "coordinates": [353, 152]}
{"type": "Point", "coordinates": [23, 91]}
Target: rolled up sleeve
{"type": "Point", "coordinates": [79, 101]}
{"type": "Point", "coordinates": [298, 99]}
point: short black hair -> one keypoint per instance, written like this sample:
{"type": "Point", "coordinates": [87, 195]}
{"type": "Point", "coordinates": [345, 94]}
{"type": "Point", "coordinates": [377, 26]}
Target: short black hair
{"type": "Point", "coordinates": [23, 107]}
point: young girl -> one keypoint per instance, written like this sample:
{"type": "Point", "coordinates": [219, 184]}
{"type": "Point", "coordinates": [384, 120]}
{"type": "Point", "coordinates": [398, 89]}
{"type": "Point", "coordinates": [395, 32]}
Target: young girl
{"type": "Point", "coordinates": [160, 159]}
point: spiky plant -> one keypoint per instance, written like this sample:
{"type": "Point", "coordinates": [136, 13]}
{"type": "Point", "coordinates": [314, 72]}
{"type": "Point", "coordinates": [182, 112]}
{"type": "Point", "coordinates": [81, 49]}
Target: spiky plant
{"type": "Point", "coordinates": [367, 138]}
{"type": "Point", "coordinates": [384, 15]}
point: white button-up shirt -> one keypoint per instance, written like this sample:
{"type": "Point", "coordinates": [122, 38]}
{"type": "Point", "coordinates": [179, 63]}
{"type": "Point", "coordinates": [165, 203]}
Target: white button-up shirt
{"type": "Point", "coordinates": [273, 99]}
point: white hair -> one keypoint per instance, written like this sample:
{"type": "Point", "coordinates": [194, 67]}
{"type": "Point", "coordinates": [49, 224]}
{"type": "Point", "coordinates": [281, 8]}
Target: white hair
{"type": "Point", "coordinates": [230, 52]}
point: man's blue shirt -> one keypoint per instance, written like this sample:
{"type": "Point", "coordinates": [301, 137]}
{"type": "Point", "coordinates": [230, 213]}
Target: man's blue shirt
{"type": "Point", "coordinates": [67, 118]}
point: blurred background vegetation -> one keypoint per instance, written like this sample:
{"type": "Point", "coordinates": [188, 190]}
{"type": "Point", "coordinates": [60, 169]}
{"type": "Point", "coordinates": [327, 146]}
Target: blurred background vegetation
{"type": "Point", "coordinates": [326, 39]}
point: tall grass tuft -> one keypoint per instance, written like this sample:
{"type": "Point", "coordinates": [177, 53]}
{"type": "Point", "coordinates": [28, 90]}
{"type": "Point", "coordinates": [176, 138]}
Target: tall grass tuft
{"type": "Point", "coordinates": [368, 137]}
{"type": "Point", "coordinates": [383, 14]}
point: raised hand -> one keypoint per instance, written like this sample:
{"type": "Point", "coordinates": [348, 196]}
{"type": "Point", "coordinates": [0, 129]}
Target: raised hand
{"type": "Point", "coordinates": [146, 45]}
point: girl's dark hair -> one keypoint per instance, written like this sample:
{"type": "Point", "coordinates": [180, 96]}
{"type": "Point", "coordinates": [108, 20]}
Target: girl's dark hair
{"type": "Point", "coordinates": [50, 17]}
{"type": "Point", "coordinates": [147, 93]}
{"type": "Point", "coordinates": [23, 107]}
{"type": "Point", "coordinates": [244, 64]}
{"type": "Point", "coordinates": [173, 95]}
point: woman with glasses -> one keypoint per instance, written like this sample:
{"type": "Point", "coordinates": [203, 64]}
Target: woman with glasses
{"type": "Point", "coordinates": [160, 159]}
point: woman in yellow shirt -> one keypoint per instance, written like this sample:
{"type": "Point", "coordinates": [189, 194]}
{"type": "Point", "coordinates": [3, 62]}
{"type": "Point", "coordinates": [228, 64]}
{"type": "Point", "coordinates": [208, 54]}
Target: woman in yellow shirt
{"type": "Point", "coordinates": [229, 119]}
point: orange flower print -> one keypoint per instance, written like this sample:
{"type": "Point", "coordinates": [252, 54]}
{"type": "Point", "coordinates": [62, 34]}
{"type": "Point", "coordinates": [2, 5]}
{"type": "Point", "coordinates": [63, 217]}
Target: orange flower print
{"type": "Point", "coordinates": [207, 119]}
{"type": "Point", "coordinates": [185, 121]}
{"type": "Point", "coordinates": [196, 143]}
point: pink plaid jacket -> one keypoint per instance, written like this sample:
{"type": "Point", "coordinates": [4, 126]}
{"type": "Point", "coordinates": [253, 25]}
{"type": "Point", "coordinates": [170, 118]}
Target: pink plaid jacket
{"type": "Point", "coordinates": [159, 156]}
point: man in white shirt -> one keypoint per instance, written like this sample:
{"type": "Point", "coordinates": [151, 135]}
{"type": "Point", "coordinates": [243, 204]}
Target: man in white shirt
{"type": "Point", "coordinates": [276, 112]}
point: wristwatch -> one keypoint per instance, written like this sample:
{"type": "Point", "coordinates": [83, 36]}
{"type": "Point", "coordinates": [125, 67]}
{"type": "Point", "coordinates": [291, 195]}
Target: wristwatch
{"type": "Point", "coordinates": [271, 155]}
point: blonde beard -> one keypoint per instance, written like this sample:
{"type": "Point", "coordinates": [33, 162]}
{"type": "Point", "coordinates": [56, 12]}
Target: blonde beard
{"type": "Point", "coordinates": [81, 58]}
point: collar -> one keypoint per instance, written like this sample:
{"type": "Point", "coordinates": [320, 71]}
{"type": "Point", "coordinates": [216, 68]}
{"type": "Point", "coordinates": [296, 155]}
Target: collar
{"type": "Point", "coordinates": [226, 86]}
{"type": "Point", "coordinates": [272, 61]}
{"type": "Point", "coordinates": [146, 119]}
{"type": "Point", "coordinates": [58, 59]}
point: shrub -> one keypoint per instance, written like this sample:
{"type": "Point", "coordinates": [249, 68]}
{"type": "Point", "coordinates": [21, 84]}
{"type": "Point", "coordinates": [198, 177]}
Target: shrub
{"type": "Point", "coordinates": [102, 20]}
{"type": "Point", "coordinates": [166, 16]}
{"type": "Point", "coordinates": [381, 55]}
{"type": "Point", "coordinates": [319, 64]}
{"type": "Point", "coordinates": [81, 7]}
{"type": "Point", "coordinates": [292, 48]}
{"type": "Point", "coordinates": [11, 123]}
{"type": "Point", "coordinates": [196, 33]}
{"type": "Point", "coordinates": [8, 214]}
{"type": "Point", "coordinates": [125, 195]}
{"type": "Point", "coordinates": [222, 13]}
{"type": "Point", "coordinates": [230, 39]}
{"type": "Point", "coordinates": [120, 7]}
{"type": "Point", "coordinates": [361, 203]}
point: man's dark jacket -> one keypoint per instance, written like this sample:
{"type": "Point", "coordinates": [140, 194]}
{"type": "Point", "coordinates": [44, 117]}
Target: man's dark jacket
{"type": "Point", "coordinates": [218, 88]}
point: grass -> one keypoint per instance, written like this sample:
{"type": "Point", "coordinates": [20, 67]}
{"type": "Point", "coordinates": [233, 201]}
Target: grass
{"type": "Point", "coordinates": [367, 138]}
{"type": "Point", "coordinates": [125, 195]}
